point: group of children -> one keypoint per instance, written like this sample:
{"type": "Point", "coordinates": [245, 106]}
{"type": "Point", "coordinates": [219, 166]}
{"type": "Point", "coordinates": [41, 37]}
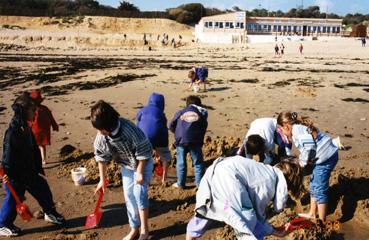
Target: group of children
{"type": "Point", "coordinates": [235, 190]}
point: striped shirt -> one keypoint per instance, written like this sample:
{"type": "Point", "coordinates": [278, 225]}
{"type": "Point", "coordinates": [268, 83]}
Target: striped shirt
{"type": "Point", "coordinates": [318, 150]}
{"type": "Point", "coordinates": [127, 146]}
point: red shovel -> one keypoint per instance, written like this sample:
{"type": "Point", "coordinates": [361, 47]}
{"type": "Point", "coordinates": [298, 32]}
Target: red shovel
{"type": "Point", "coordinates": [21, 208]}
{"type": "Point", "coordinates": [94, 218]}
{"type": "Point", "coordinates": [297, 223]}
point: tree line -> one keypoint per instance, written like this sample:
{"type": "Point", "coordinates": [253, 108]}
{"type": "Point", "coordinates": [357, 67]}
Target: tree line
{"type": "Point", "coordinates": [186, 13]}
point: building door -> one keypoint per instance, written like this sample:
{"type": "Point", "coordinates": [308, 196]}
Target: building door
{"type": "Point", "coordinates": [304, 30]}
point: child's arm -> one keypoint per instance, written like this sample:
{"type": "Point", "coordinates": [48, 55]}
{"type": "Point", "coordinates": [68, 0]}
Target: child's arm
{"type": "Point", "coordinates": [54, 125]}
{"type": "Point", "coordinates": [139, 172]}
{"type": "Point", "coordinates": [102, 173]}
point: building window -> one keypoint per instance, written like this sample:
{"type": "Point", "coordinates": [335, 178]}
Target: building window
{"type": "Point", "coordinates": [279, 28]}
{"type": "Point", "coordinates": [338, 29]}
{"type": "Point", "coordinates": [328, 29]}
{"type": "Point", "coordinates": [284, 28]}
{"type": "Point", "coordinates": [314, 29]}
{"type": "Point", "coordinates": [319, 29]}
{"type": "Point", "coordinates": [289, 28]}
{"type": "Point", "coordinates": [220, 24]}
{"type": "Point", "coordinates": [324, 29]}
{"type": "Point", "coordinates": [242, 25]}
{"type": "Point", "coordinates": [227, 24]}
{"type": "Point", "coordinates": [295, 28]}
{"type": "Point", "coordinates": [206, 24]}
{"type": "Point", "coordinates": [269, 28]}
{"type": "Point", "coordinates": [210, 24]}
{"type": "Point", "coordinates": [309, 29]}
{"type": "Point", "coordinates": [231, 25]}
{"type": "Point", "coordinates": [333, 29]}
{"type": "Point", "coordinates": [216, 25]}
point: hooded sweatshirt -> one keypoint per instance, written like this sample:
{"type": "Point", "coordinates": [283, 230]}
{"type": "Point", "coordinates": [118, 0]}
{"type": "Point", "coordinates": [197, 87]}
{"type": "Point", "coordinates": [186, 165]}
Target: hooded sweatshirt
{"type": "Point", "coordinates": [21, 157]}
{"type": "Point", "coordinates": [152, 121]}
{"type": "Point", "coordinates": [189, 126]}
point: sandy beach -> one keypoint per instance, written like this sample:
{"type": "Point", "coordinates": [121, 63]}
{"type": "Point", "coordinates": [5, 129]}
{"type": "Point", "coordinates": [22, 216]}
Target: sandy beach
{"type": "Point", "coordinates": [328, 82]}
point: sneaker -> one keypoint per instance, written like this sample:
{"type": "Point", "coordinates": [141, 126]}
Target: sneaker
{"type": "Point", "coordinates": [54, 217]}
{"type": "Point", "coordinates": [15, 229]}
{"type": "Point", "coordinates": [7, 232]}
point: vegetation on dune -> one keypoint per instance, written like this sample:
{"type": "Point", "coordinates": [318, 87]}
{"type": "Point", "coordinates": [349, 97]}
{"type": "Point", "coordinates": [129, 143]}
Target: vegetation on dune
{"type": "Point", "coordinates": [186, 13]}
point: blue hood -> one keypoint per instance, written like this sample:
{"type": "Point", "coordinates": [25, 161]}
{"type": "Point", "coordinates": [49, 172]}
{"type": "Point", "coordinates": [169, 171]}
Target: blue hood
{"type": "Point", "coordinates": [157, 100]}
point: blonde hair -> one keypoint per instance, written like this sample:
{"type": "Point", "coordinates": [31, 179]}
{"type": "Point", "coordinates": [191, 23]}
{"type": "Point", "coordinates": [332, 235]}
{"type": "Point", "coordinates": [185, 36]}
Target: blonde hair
{"type": "Point", "coordinates": [294, 118]}
{"type": "Point", "coordinates": [292, 172]}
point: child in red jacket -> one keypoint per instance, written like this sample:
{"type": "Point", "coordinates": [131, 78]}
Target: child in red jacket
{"type": "Point", "coordinates": [42, 123]}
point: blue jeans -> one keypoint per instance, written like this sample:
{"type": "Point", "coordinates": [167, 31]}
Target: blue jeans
{"type": "Point", "coordinates": [197, 161]}
{"type": "Point", "coordinates": [319, 180]}
{"type": "Point", "coordinates": [136, 195]}
{"type": "Point", "coordinates": [38, 188]}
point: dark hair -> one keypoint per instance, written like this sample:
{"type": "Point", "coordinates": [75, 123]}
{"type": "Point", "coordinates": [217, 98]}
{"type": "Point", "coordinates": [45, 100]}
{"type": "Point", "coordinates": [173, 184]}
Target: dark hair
{"type": "Point", "coordinates": [294, 118]}
{"type": "Point", "coordinates": [104, 116]}
{"type": "Point", "coordinates": [292, 172]}
{"type": "Point", "coordinates": [191, 74]}
{"type": "Point", "coordinates": [193, 100]}
{"type": "Point", "coordinates": [24, 101]}
{"type": "Point", "coordinates": [255, 144]}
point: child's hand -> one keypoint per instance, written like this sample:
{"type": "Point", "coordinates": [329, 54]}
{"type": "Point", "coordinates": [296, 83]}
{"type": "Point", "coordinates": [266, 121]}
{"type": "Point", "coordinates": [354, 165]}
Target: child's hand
{"type": "Point", "coordinates": [139, 178]}
{"type": "Point", "coordinates": [5, 179]}
{"type": "Point", "coordinates": [101, 185]}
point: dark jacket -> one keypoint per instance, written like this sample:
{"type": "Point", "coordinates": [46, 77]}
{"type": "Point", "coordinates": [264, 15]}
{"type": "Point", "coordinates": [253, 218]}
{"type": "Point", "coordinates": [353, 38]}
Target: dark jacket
{"type": "Point", "coordinates": [189, 126]}
{"type": "Point", "coordinates": [21, 156]}
{"type": "Point", "coordinates": [152, 121]}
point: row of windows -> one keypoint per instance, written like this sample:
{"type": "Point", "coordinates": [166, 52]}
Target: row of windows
{"type": "Point", "coordinates": [280, 28]}
{"type": "Point", "coordinates": [268, 28]}
{"type": "Point", "coordinates": [240, 25]}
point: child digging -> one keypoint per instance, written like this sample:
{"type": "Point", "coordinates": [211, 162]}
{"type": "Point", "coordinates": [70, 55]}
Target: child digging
{"type": "Point", "coordinates": [152, 121]}
{"type": "Point", "coordinates": [120, 140]}
{"type": "Point", "coordinates": [22, 165]}
{"type": "Point", "coordinates": [316, 150]}
{"type": "Point", "coordinates": [189, 127]}
{"type": "Point", "coordinates": [42, 123]}
{"type": "Point", "coordinates": [237, 191]}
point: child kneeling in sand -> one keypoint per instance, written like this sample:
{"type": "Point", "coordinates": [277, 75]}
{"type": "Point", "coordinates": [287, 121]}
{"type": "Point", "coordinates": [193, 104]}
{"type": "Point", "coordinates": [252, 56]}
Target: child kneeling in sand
{"type": "Point", "coordinates": [237, 191]}
{"type": "Point", "coordinates": [120, 140]}
{"type": "Point", "coordinates": [22, 165]}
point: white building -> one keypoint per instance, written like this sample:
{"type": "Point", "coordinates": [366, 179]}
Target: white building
{"type": "Point", "coordinates": [236, 27]}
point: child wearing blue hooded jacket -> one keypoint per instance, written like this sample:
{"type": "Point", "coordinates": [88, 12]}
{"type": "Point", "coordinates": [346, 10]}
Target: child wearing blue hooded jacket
{"type": "Point", "coordinates": [189, 127]}
{"type": "Point", "coordinates": [152, 121]}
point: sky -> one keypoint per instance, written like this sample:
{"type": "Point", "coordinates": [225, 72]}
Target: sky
{"type": "Point", "coordinates": [341, 7]}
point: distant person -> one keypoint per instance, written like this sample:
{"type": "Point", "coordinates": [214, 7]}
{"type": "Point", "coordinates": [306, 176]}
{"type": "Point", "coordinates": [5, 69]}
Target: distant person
{"type": "Point", "coordinates": [198, 77]}
{"type": "Point", "coordinates": [42, 123]}
{"type": "Point", "coordinates": [152, 121]}
{"type": "Point", "coordinates": [261, 139]}
{"type": "Point", "coordinates": [276, 49]}
{"type": "Point", "coordinates": [282, 48]}
{"type": "Point", "coordinates": [180, 37]}
{"type": "Point", "coordinates": [301, 48]}
{"type": "Point", "coordinates": [158, 37]}
{"type": "Point", "coordinates": [120, 140]}
{"type": "Point", "coordinates": [238, 191]}
{"type": "Point", "coordinates": [363, 42]}
{"type": "Point", "coordinates": [22, 164]}
{"type": "Point", "coordinates": [189, 127]}
{"type": "Point", "coordinates": [318, 152]}
{"type": "Point", "coordinates": [125, 36]}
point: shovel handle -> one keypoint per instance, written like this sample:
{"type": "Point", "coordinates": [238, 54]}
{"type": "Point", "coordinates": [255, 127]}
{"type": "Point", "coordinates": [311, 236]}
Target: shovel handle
{"type": "Point", "coordinates": [11, 189]}
{"type": "Point", "coordinates": [101, 195]}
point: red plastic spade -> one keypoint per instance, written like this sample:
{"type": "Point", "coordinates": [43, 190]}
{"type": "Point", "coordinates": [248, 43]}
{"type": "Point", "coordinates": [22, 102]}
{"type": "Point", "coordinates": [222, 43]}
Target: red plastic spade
{"type": "Point", "coordinates": [93, 219]}
{"type": "Point", "coordinates": [21, 208]}
{"type": "Point", "coordinates": [158, 167]}
{"type": "Point", "coordinates": [299, 223]}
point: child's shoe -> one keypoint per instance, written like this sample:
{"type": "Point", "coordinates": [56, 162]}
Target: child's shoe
{"type": "Point", "coordinates": [54, 217]}
{"type": "Point", "coordinates": [9, 232]}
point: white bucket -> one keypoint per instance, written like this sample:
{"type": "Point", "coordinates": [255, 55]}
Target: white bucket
{"type": "Point", "coordinates": [196, 88]}
{"type": "Point", "coordinates": [79, 175]}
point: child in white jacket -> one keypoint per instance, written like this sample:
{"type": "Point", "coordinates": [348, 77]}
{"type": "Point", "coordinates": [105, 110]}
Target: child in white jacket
{"type": "Point", "coordinates": [237, 190]}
